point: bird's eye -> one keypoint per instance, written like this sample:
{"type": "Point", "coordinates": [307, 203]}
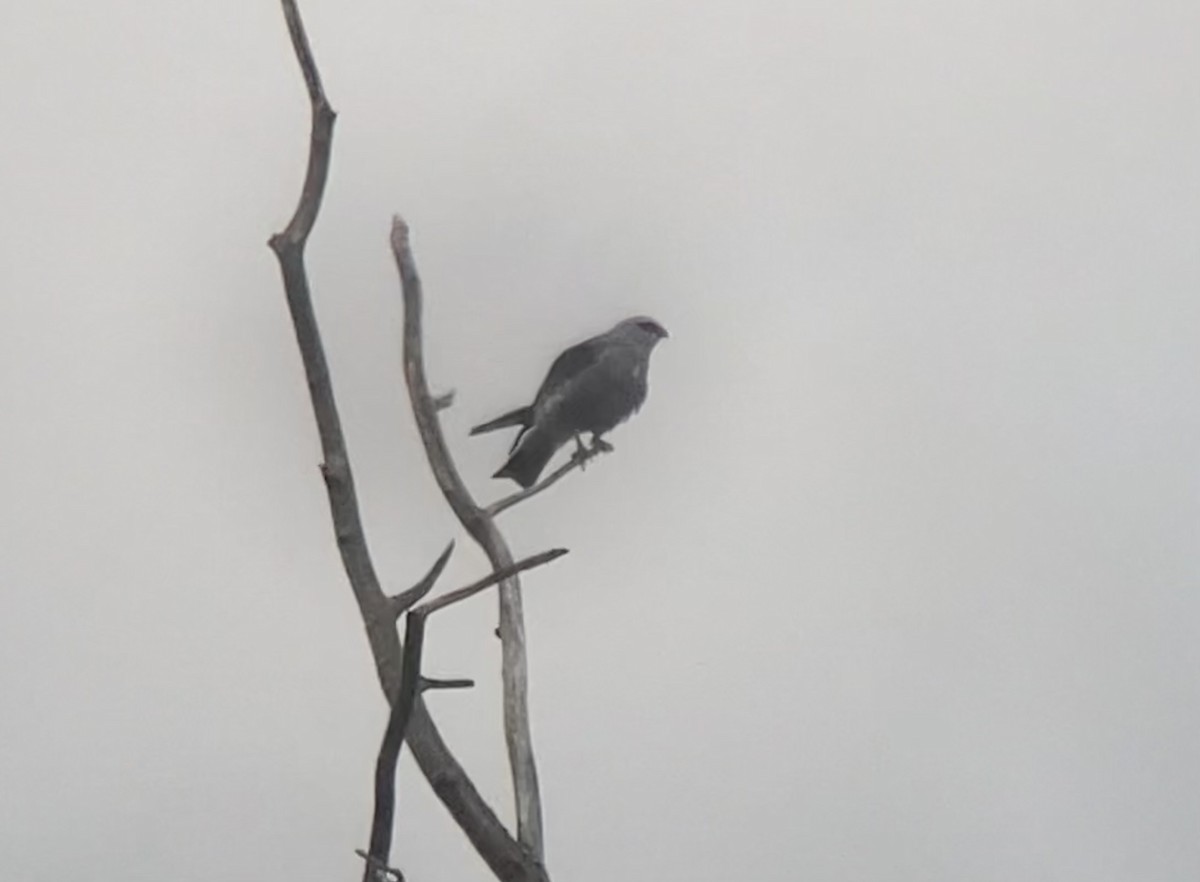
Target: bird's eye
{"type": "Point", "coordinates": [652, 328]}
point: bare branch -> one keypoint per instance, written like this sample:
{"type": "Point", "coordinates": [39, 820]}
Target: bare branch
{"type": "Point", "coordinates": [508, 860]}
{"type": "Point", "coordinates": [320, 143]}
{"type": "Point", "coordinates": [578, 461]}
{"type": "Point", "coordinates": [514, 667]}
{"type": "Point", "coordinates": [489, 580]}
{"type": "Point", "coordinates": [339, 481]}
{"type": "Point", "coordinates": [443, 401]}
{"type": "Point", "coordinates": [428, 683]}
{"type": "Point", "coordinates": [393, 739]}
{"type": "Point", "coordinates": [424, 408]}
{"type": "Point", "coordinates": [412, 683]}
{"type": "Point", "coordinates": [400, 603]}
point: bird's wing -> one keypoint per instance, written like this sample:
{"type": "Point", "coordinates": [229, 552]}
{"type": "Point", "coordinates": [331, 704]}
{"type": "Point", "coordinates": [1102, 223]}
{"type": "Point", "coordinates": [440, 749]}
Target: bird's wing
{"type": "Point", "coordinates": [572, 363]}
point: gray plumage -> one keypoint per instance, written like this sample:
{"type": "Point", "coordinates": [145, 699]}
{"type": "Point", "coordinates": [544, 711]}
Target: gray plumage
{"type": "Point", "coordinates": [591, 387]}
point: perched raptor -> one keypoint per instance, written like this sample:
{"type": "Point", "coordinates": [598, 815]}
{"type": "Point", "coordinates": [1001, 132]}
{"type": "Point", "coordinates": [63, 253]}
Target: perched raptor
{"type": "Point", "coordinates": [591, 387]}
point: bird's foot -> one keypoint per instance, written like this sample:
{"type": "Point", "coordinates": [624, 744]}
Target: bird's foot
{"type": "Point", "coordinates": [581, 453]}
{"type": "Point", "coordinates": [584, 452]}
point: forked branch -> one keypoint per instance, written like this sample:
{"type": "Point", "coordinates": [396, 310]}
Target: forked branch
{"type": "Point", "coordinates": [412, 683]}
{"type": "Point", "coordinates": [479, 523]}
{"type": "Point", "coordinates": [400, 603]}
{"type": "Point", "coordinates": [488, 581]}
{"type": "Point", "coordinates": [508, 860]}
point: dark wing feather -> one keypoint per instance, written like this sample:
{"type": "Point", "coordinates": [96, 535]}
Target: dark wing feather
{"type": "Point", "coordinates": [568, 366]}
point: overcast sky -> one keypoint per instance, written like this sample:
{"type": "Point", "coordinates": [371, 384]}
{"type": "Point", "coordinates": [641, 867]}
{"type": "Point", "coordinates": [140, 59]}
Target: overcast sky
{"type": "Point", "coordinates": [895, 576]}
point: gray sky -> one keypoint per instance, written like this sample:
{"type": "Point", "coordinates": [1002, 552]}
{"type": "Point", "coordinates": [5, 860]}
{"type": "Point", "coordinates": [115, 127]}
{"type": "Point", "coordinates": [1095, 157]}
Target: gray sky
{"type": "Point", "coordinates": [894, 577]}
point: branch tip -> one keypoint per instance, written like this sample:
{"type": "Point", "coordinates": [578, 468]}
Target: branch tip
{"type": "Point", "coordinates": [400, 233]}
{"type": "Point", "coordinates": [514, 666]}
{"type": "Point", "coordinates": [500, 575]}
{"type": "Point", "coordinates": [404, 601]}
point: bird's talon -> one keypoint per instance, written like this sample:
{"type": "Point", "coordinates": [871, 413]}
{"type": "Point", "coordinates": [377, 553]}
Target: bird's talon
{"type": "Point", "coordinates": [581, 453]}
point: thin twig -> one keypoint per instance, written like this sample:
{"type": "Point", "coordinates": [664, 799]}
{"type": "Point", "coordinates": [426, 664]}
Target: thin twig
{"type": "Point", "coordinates": [477, 522]}
{"type": "Point", "coordinates": [320, 141]}
{"type": "Point", "coordinates": [578, 461]}
{"type": "Point", "coordinates": [445, 600]}
{"type": "Point", "coordinates": [428, 683]}
{"type": "Point", "coordinates": [508, 860]}
{"type": "Point", "coordinates": [401, 602]}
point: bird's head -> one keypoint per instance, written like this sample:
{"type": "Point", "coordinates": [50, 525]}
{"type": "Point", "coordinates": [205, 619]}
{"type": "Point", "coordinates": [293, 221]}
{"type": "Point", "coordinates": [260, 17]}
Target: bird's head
{"type": "Point", "coordinates": [642, 329]}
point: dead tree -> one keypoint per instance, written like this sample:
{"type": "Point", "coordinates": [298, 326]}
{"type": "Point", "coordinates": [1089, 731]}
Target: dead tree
{"type": "Point", "coordinates": [511, 859]}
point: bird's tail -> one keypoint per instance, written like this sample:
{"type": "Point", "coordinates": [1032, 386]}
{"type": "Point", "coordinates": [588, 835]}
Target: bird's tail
{"type": "Point", "coordinates": [522, 416]}
{"type": "Point", "coordinates": [528, 460]}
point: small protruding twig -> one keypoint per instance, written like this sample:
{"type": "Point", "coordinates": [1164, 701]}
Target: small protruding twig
{"type": "Point", "coordinates": [432, 606]}
{"type": "Point", "coordinates": [380, 866]}
{"type": "Point", "coordinates": [443, 401]}
{"type": "Point", "coordinates": [577, 461]}
{"type": "Point", "coordinates": [402, 602]}
{"type": "Point", "coordinates": [426, 683]}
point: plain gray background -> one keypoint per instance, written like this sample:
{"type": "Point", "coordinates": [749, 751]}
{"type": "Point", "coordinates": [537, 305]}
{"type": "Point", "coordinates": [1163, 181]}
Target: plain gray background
{"type": "Point", "coordinates": [894, 577]}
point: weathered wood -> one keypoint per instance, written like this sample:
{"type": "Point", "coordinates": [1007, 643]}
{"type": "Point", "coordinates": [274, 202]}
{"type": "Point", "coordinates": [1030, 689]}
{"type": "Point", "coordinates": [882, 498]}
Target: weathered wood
{"type": "Point", "coordinates": [482, 528]}
{"type": "Point", "coordinates": [507, 858]}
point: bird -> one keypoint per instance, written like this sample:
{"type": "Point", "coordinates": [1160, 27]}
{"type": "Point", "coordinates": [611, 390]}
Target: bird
{"type": "Point", "coordinates": [591, 387]}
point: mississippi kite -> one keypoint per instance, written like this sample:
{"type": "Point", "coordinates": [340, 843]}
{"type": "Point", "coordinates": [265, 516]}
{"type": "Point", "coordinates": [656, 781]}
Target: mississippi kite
{"type": "Point", "coordinates": [591, 387]}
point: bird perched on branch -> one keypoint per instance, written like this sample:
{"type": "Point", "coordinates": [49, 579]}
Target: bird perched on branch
{"type": "Point", "coordinates": [591, 387]}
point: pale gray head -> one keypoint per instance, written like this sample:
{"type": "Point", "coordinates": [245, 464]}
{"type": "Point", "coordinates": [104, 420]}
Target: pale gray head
{"type": "Point", "coordinates": [641, 330]}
